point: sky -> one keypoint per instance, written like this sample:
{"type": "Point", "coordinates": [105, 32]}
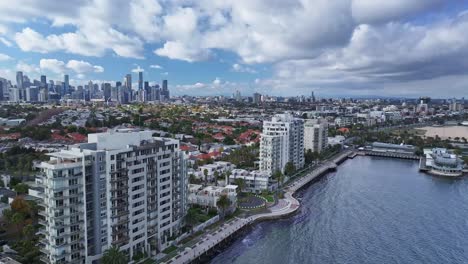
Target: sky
{"type": "Point", "coordinates": [339, 48]}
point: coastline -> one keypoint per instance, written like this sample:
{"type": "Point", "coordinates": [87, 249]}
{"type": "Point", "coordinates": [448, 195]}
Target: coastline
{"type": "Point", "coordinates": [205, 250]}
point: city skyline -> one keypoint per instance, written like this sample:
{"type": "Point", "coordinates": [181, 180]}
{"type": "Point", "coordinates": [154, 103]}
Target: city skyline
{"type": "Point", "coordinates": [345, 48]}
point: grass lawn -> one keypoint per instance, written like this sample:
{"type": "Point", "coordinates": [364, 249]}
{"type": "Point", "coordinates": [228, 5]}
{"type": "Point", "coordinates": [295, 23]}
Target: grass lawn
{"type": "Point", "coordinates": [269, 197]}
{"type": "Point", "coordinates": [169, 249]}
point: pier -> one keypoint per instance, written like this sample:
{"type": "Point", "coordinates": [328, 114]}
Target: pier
{"type": "Point", "coordinates": [397, 155]}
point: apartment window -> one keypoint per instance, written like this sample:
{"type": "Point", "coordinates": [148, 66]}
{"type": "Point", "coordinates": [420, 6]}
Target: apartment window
{"type": "Point", "coordinates": [138, 203]}
{"type": "Point", "coordinates": [112, 157]}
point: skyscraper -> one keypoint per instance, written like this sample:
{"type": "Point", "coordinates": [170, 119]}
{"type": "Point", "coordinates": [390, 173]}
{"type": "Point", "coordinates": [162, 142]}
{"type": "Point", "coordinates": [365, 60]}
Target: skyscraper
{"type": "Point", "coordinates": [165, 91]}
{"type": "Point", "coordinates": [43, 81]}
{"type": "Point", "coordinates": [282, 141]}
{"type": "Point", "coordinates": [124, 189]}
{"type": "Point", "coordinates": [257, 98]}
{"type": "Point", "coordinates": [66, 84]}
{"type": "Point", "coordinates": [128, 81]}
{"type": "Point", "coordinates": [19, 80]}
{"type": "Point", "coordinates": [140, 80]}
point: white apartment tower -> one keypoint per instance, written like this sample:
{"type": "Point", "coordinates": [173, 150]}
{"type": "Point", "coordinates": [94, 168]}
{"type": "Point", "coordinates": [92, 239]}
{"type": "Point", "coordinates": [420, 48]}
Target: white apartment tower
{"type": "Point", "coordinates": [282, 141]}
{"type": "Point", "coordinates": [122, 188]}
{"type": "Point", "coordinates": [315, 135]}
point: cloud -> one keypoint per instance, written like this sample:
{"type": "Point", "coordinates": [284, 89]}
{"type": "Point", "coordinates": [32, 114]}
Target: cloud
{"type": "Point", "coordinates": [83, 67]}
{"type": "Point", "coordinates": [60, 67]}
{"type": "Point", "coordinates": [138, 69]}
{"type": "Point", "coordinates": [27, 68]}
{"type": "Point", "coordinates": [321, 44]}
{"type": "Point", "coordinates": [53, 65]}
{"type": "Point", "coordinates": [4, 57]}
{"type": "Point", "coordinates": [6, 42]}
{"type": "Point", "coordinates": [144, 17]}
{"type": "Point", "coordinates": [88, 43]}
{"type": "Point", "coordinates": [182, 51]}
{"type": "Point", "coordinates": [156, 66]}
{"type": "Point", "coordinates": [371, 11]}
{"type": "Point", "coordinates": [216, 87]}
{"type": "Point", "coordinates": [240, 68]}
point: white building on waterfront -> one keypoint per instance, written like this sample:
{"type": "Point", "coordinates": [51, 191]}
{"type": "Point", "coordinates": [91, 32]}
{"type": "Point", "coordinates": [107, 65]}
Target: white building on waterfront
{"type": "Point", "coordinates": [440, 162]}
{"type": "Point", "coordinates": [208, 196]}
{"type": "Point", "coordinates": [218, 167]}
{"type": "Point", "coordinates": [315, 135]}
{"type": "Point", "coordinates": [282, 141]}
{"type": "Point", "coordinates": [255, 181]}
{"type": "Point", "coordinates": [123, 188]}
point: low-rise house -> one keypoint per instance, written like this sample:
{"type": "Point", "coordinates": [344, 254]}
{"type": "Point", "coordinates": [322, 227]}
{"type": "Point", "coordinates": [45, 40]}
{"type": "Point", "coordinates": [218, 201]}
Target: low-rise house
{"type": "Point", "coordinates": [208, 196]}
{"type": "Point", "coordinates": [255, 181]}
{"type": "Point", "coordinates": [218, 166]}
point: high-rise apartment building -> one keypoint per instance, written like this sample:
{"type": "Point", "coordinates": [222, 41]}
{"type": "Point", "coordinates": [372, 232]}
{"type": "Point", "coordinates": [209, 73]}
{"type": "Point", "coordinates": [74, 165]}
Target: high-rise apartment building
{"type": "Point", "coordinates": [140, 80]}
{"type": "Point", "coordinates": [122, 188]}
{"type": "Point", "coordinates": [282, 141]}
{"type": "Point", "coordinates": [164, 94]}
{"type": "Point", "coordinates": [66, 84]}
{"type": "Point", "coordinates": [315, 135]}
{"type": "Point", "coordinates": [19, 80]}
{"type": "Point", "coordinates": [43, 81]}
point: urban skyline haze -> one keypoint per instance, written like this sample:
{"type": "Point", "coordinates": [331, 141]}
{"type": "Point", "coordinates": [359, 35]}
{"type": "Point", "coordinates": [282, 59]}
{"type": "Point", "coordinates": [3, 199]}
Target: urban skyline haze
{"type": "Point", "coordinates": [336, 48]}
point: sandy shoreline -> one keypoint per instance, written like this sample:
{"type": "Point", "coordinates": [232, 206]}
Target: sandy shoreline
{"type": "Point", "coordinates": [446, 131]}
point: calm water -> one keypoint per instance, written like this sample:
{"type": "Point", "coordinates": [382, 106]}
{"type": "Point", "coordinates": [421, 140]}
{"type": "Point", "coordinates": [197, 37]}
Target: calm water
{"type": "Point", "coordinates": [372, 210]}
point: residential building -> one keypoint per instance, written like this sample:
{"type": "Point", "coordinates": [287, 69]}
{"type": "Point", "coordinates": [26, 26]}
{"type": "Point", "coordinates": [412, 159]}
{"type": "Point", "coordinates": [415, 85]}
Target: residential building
{"type": "Point", "coordinates": [282, 141]}
{"type": "Point", "coordinates": [123, 188]}
{"type": "Point", "coordinates": [208, 196]}
{"type": "Point", "coordinates": [255, 181]}
{"type": "Point", "coordinates": [219, 167]}
{"type": "Point", "coordinates": [315, 135]}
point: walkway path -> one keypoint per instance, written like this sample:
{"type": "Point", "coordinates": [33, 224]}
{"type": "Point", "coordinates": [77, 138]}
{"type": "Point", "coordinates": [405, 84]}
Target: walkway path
{"type": "Point", "coordinates": [285, 206]}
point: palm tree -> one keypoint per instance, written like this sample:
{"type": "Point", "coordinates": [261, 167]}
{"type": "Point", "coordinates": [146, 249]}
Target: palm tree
{"type": "Point", "coordinates": [191, 219]}
{"type": "Point", "coordinates": [205, 173]}
{"type": "Point", "coordinates": [223, 203]}
{"type": "Point", "coordinates": [114, 256]}
{"type": "Point", "coordinates": [240, 184]}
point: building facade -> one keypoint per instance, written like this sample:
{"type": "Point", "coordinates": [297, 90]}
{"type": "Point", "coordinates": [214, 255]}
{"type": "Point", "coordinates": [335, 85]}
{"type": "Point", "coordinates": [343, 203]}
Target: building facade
{"type": "Point", "coordinates": [282, 141]}
{"type": "Point", "coordinates": [315, 135]}
{"type": "Point", "coordinates": [123, 188]}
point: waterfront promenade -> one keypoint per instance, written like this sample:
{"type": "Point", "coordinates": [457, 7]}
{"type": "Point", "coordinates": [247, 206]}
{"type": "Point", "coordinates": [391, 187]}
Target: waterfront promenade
{"type": "Point", "coordinates": [286, 206]}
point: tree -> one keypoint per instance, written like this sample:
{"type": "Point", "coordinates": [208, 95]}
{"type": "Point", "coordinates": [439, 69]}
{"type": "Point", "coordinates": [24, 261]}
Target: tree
{"type": "Point", "coordinates": [114, 256]}
{"type": "Point", "coordinates": [240, 184]}
{"type": "Point", "coordinates": [191, 219]}
{"type": "Point", "coordinates": [205, 174]}
{"type": "Point", "coordinates": [278, 175]}
{"type": "Point", "coordinates": [17, 219]}
{"type": "Point", "coordinates": [21, 188]}
{"type": "Point", "coordinates": [28, 231]}
{"type": "Point", "coordinates": [223, 203]}
{"type": "Point", "coordinates": [289, 169]}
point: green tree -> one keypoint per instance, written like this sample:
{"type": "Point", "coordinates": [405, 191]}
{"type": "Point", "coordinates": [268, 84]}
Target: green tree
{"type": "Point", "coordinates": [21, 188]}
{"type": "Point", "coordinates": [18, 219]}
{"type": "Point", "coordinates": [28, 231]}
{"type": "Point", "coordinates": [205, 174]}
{"type": "Point", "coordinates": [240, 184]}
{"type": "Point", "coordinates": [114, 256]}
{"type": "Point", "coordinates": [289, 169]}
{"type": "Point", "coordinates": [223, 204]}
{"type": "Point", "coordinates": [278, 175]}
{"type": "Point", "coordinates": [191, 219]}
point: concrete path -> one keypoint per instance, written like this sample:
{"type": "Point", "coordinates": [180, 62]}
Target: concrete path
{"type": "Point", "coordinates": [285, 206]}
